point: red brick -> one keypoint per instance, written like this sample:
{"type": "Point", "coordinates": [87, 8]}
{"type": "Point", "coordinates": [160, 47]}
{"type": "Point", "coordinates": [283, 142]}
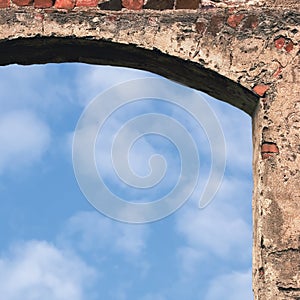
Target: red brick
{"type": "Point", "coordinates": [269, 148]}
{"type": "Point", "coordinates": [133, 4]}
{"type": "Point", "coordinates": [65, 4]}
{"type": "Point", "coordinates": [289, 47]}
{"type": "Point", "coordinates": [234, 20]}
{"type": "Point", "coordinates": [260, 89]}
{"type": "Point", "coordinates": [280, 42]}
{"type": "Point", "coordinates": [43, 3]}
{"type": "Point", "coordinates": [22, 2]}
{"type": "Point", "coordinates": [4, 3]}
{"type": "Point", "coordinates": [187, 4]}
{"type": "Point", "coordinates": [88, 3]}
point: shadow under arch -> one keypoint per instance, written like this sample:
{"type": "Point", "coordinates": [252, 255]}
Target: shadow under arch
{"type": "Point", "coordinates": [42, 50]}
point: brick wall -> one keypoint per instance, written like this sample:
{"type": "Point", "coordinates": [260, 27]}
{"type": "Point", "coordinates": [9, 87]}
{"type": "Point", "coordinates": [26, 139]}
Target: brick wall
{"type": "Point", "coordinates": [124, 4]}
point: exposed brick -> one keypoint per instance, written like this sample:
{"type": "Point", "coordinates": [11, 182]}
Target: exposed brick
{"type": "Point", "coordinates": [43, 3]}
{"type": "Point", "coordinates": [159, 4]}
{"type": "Point", "coordinates": [269, 148]}
{"type": "Point", "coordinates": [4, 3]}
{"type": "Point", "coordinates": [234, 20]}
{"type": "Point", "coordinates": [260, 89]}
{"type": "Point", "coordinates": [133, 4]}
{"type": "Point", "coordinates": [22, 2]}
{"type": "Point", "coordinates": [280, 42]}
{"type": "Point", "coordinates": [65, 4]}
{"type": "Point", "coordinates": [187, 4]}
{"type": "Point", "coordinates": [289, 46]}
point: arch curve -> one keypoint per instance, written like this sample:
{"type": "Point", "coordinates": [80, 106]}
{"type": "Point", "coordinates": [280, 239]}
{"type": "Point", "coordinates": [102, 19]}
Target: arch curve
{"type": "Point", "coordinates": [76, 37]}
{"type": "Point", "coordinates": [227, 50]}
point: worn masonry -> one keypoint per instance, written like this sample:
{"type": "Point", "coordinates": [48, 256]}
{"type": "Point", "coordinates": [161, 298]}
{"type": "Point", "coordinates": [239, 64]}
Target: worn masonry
{"type": "Point", "coordinates": [245, 53]}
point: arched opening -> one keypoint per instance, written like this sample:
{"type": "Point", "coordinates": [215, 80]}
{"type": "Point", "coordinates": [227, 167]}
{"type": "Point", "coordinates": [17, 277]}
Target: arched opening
{"type": "Point", "coordinates": [37, 50]}
{"type": "Point", "coordinates": [151, 274]}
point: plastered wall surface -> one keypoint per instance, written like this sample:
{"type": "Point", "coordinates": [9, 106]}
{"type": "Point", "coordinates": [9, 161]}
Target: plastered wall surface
{"type": "Point", "coordinates": [245, 53]}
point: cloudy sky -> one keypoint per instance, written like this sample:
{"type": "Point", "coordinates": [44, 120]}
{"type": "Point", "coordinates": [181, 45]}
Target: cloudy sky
{"type": "Point", "coordinates": [55, 245]}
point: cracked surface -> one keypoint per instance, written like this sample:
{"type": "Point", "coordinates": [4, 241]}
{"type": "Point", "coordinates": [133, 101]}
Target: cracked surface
{"type": "Point", "coordinates": [276, 199]}
{"type": "Point", "coordinates": [245, 55]}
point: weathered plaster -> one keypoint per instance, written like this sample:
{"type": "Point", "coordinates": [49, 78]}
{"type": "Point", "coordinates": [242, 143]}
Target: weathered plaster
{"type": "Point", "coordinates": [245, 53]}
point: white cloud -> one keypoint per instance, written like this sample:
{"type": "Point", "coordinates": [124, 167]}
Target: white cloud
{"type": "Point", "coordinates": [237, 131]}
{"type": "Point", "coordinates": [220, 230]}
{"type": "Point", "coordinates": [216, 230]}
{"type": "Point", "coordinates": [90, 231]}
{"type": "Point", "coordinates": [36, 87]}
{"type": "Point", "coordinates": [23, 137]}
{"type": "Point", "coordinates": [34, 270]}
{"type": "Point", "coordinates": [26, 79]}
{"type": "Point", "coordinates": [233, 286]}
{"type": "Point", "coordinates": [223, 229]}
{"type": "Point", "coordinates": [64, 144]}
{"type": "Point", "coordinates": [138, 158]}
{"type": "Point", "coordinates": [91, 81]}
{"type": "Point", "coordinates": [189, 258]}
{"type": "Point", "coordinates": [38, 270]}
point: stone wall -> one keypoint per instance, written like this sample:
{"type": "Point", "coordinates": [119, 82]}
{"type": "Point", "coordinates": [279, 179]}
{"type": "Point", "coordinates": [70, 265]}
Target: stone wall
{"type": "Point", "coordinates": [141, 4]}
{"type": "Point", "coordinates": [245, 53]}
{"type": "Point", "coordinates": [112, 4]}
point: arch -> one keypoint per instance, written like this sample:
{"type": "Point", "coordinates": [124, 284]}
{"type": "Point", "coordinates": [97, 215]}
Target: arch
{"type": "Point", "coordinates": [245, 55]}
{"type": "Point", "coordinates": [40, 50]}
{"type": "Point", "coordinates": [173, 46]}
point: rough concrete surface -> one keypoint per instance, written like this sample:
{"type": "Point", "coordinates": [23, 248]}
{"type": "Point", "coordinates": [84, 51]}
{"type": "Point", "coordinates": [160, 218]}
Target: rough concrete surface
{"type": "Point", "coordinates": [245, 53]}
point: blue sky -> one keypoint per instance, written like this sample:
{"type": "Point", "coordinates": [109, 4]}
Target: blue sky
{"type": "Point", "coordinates": [55, 245]}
